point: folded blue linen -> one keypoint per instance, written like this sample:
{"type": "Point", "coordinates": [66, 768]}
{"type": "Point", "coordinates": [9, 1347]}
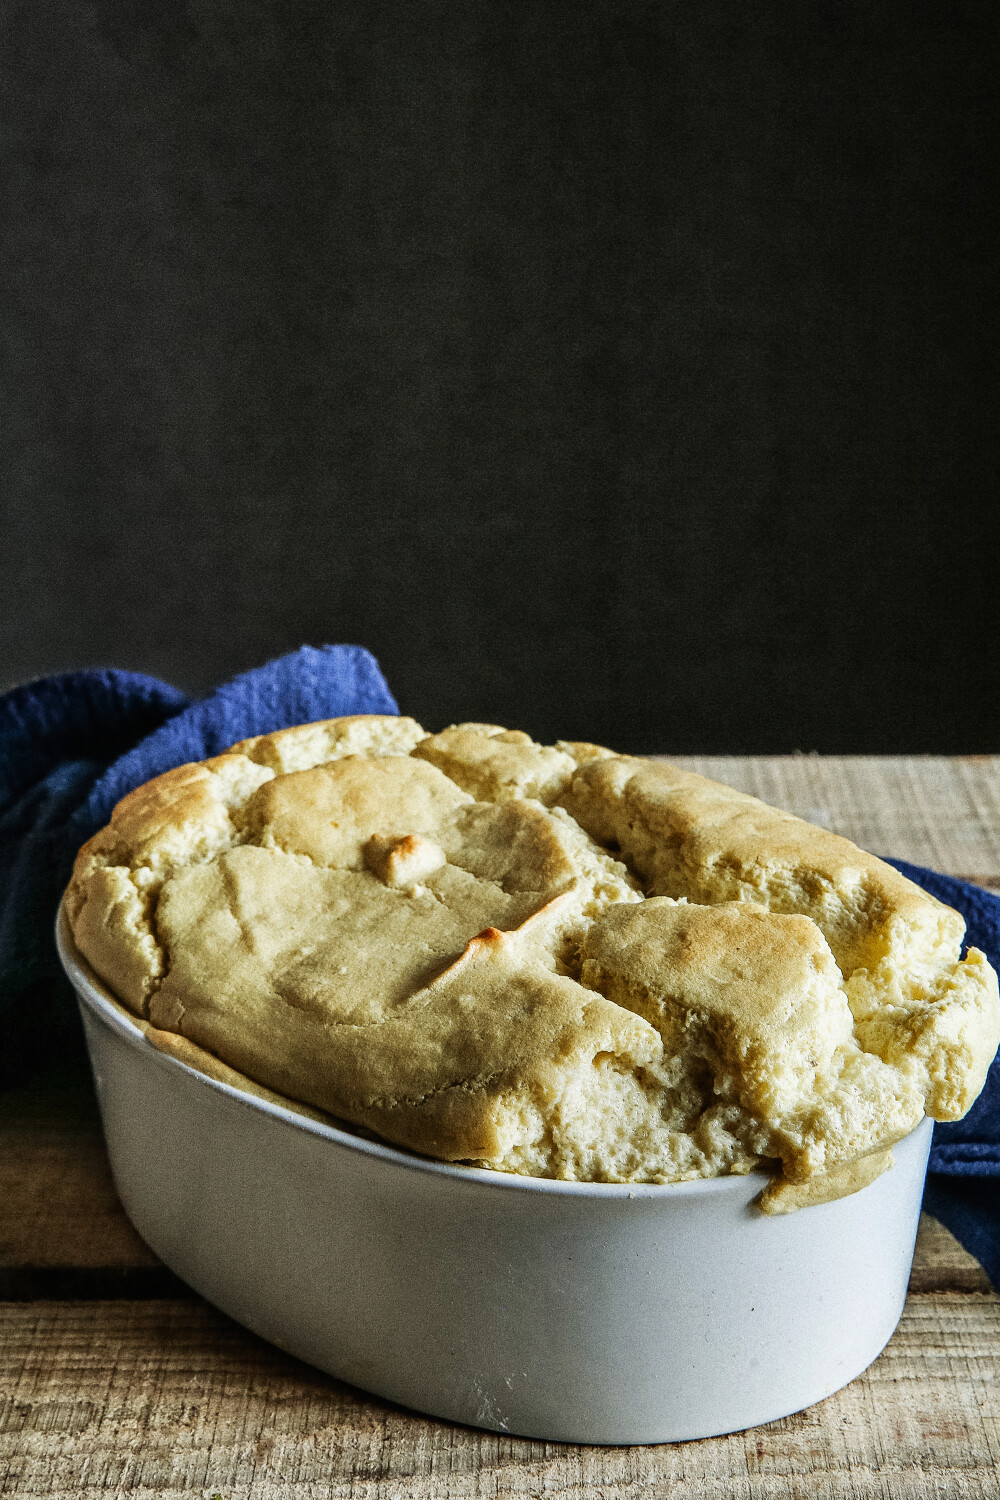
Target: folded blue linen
{"type": "Point", "coordinates": [71, 746]}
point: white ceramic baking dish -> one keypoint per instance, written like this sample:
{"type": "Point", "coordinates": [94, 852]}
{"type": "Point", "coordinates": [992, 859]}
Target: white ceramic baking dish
{"type": "Point", "coordinates": [582, 1312]}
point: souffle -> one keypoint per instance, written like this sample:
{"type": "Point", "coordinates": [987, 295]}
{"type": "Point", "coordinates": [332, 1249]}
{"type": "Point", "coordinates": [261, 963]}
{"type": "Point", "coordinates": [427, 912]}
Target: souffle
{"type": "Point", "coordinates": [548, 960]}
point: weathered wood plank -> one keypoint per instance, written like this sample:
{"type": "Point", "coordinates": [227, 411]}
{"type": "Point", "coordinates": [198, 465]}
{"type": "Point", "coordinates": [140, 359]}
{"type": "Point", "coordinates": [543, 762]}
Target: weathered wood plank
{"type": "Point", "coordinates": [940, 1264]}
{"type": "Point", "coordinates": [58, 1205]}
{"type": "Point", "coordinates": [171, 1399]}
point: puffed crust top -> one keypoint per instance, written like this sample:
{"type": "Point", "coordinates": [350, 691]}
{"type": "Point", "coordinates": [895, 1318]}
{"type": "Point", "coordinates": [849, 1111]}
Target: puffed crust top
{"type": "Point", "coordinates": [549, 960]}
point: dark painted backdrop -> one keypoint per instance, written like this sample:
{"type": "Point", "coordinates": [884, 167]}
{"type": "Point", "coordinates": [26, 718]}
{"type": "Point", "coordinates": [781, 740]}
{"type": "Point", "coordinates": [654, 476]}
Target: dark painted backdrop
{"type": "Point", "coordinates": [617, 370]}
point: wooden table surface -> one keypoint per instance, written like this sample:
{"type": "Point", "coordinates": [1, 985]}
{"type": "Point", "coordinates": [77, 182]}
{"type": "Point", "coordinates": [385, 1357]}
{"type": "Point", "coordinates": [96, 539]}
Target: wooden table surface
{"type": "Point", "coordinates": [115, 1380]}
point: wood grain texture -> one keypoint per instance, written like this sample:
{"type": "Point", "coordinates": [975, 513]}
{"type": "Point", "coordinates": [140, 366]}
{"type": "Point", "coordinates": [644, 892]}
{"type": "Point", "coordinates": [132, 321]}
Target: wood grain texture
{"type": "Point", "coordinates": [941, 1264]}
{"type": "Point", "coordinates": [59, 1205]}
{"type": "Point", "coordinates": [172, 1399]}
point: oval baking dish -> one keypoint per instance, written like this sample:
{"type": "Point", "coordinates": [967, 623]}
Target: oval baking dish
{"type": "Point", "coordinates": [567, 1311]}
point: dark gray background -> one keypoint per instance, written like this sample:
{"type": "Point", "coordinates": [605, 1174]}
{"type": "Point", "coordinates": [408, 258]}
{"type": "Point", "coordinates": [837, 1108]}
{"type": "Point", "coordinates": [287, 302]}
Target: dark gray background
{"type": "Point", "coordinates": [615, 370]}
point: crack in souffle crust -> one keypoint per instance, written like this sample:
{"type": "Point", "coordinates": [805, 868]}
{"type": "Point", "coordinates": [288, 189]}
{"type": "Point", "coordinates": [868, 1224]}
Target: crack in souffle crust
{"type": "Point", "coordinates": [548, 960]}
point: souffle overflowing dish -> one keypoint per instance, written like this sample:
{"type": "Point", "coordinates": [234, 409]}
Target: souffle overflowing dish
{"type": "Point", "coordinates": [548, 960]}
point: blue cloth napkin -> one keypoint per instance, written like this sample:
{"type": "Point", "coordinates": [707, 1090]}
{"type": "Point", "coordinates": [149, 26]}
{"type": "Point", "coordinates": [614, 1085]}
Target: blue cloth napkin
{"type": "Point", "coordinates": [72, 746]}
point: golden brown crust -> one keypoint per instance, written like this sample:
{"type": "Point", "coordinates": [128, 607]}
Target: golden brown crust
{"type": "Point", "coordinates": [688, 836]}
{"type": "Point", "coordinates": [917, 1007]}
{"type": "Point", "coordinates": [329, 812]}
{"type": "Point", "coordinates": [498, 765]}
{"type": "Point", "coordinates": [430, 936]}
{"type": "Point", "coordinates": [757, 998]}
{"type": "Point", "coordinates": [308, 745]}
{"type": "Point", "coordinates": [784, 1197]}
{"type": "Point", "coordinates": [192, 1056]}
